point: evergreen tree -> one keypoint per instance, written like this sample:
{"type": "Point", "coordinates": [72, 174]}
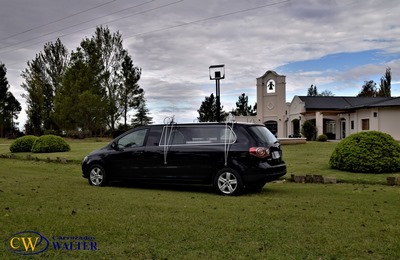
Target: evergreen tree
{"type": "Point", "coordinates": [131, 96]}
{"type": "Point", "coordinates": [208, 110]}
{"type": "Point", "coordinates": [312, 91]}
{"type": "Point", "coordinates": [9, 105]}
{"type": "Point", "coordinates": [309, 130]}
{"type": "Point", "coordinates": [141, 117]}
{"type": "Point", "coordinates": [385, 86]}
{"type": "Point", "coordinates": [242, 107]}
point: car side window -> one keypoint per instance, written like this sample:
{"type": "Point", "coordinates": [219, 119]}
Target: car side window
{"type": "Point", "coordinates": [134, 139]}
{"type": "Point", "coordinates": [197, 135]}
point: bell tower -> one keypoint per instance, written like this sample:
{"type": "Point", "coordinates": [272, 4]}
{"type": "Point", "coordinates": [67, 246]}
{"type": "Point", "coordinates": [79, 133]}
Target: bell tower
{"type": "Point", "coordinates": [271, 102]}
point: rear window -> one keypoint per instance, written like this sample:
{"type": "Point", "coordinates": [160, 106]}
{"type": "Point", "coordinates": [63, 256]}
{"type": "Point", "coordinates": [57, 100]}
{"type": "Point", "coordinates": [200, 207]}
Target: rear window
{"type": "Point", "coordinates": [197, 135]}
{"type": "Point", "coordinates": [263, 135]}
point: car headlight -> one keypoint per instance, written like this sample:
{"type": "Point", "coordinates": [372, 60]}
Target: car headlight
{"type": "Point", "coordinates": [85, 159]}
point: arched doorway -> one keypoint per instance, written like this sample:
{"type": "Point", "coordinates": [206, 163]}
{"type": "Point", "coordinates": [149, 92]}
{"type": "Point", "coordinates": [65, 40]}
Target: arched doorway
{"type": "Point", "coordinates": [272, 126]}
{"type": "Point", "coordinates": [295, 128]}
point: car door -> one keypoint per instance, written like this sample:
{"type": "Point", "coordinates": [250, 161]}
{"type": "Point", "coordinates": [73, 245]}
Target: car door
{"type": "Point", "coordinates": [196, 152]}
{"type": "Point", "coordinates": [127, 160]}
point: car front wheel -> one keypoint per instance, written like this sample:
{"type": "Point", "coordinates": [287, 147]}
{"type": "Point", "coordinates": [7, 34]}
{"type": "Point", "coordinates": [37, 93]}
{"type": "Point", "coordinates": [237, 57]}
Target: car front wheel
{"type": "Point", "coordinates": [228, 182]}
{"type": "Point", "coordinates": [97, 176]}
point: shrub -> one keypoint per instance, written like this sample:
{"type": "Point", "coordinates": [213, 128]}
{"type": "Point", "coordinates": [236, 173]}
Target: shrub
{"type": "Point", "coordinates": [51, 132]}
{"type": "Point", "coordinates": [322, 138]}
{"type": "Point", "coordinates": [309, 130]}
{"type": "Point", "coordinates": [367, 152]}
{"type": "Point", "coordinates": [49, 144]}
{"type": "Point", "coordinates": [23, 144]}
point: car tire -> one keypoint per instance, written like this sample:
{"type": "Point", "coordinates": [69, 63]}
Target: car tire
{"type": "Point", "coordinates": [228, 182]}
{"type": "Point", "coordinates": [97, 175]}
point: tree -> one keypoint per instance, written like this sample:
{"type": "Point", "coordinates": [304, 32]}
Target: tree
{"type": "Point", "coordinates": [326, 93]}
{"type": "Point", "coordinates": [141, 117]}
{"type": "Point", "coordinates": [42, 79]}
{"type": "Point", "coordinates": [368, 89]}
{"type": "Point", "coordinates": [312, 91]}
{"type": "Point", "coordinates": [308, 130]}
{"type": "Point", "coordinates": [9, 105]}
{"type": "Point", "coordinates": [14, 108]}
{"type": "Point", "coordinates": [130, 94]}
{"type": "Point", "coordinates": [385, 86]}
{"type": "Point", "coordinates": [242, 108]}
{"type": "Point", "coordinates": [81, 101]}
{"type": "Point", "coordinates": [55, 58]}
{"type": "Point", "coordinates": [208, 110]}
{"type": "Point", "coordinates": [111, 53]}
{"type": "Point", "coordinates": [35, 80]}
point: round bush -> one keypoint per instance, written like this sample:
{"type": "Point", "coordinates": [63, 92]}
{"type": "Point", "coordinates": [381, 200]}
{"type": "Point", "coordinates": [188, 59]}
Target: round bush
{"type": "Point", "coordinates": [50, 144]}
{"type": "Point", "coordinates": [322, 138]}
{"type": "Point", "coordinates": [367, 152]}
{"type": "Point", "coordinates": [23, 144]}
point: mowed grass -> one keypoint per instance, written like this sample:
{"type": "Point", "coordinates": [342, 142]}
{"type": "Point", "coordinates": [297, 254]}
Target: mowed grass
{"type": "Point", "coordinates": [284, 221]}
{"type": "Point", "coordinates": [313, 158]}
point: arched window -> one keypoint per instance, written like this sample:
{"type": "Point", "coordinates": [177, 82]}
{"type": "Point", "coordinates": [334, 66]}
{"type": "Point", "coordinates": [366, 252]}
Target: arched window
{"type": "Point", "coordinates": [272, 126]}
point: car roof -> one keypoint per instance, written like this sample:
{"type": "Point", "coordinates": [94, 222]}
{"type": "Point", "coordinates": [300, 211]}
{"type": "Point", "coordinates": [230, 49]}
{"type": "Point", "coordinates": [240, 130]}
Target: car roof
{"type": "Point", "coordinates": [209, 123]}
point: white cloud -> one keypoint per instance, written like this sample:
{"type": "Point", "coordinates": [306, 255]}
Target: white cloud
{"type": "Point", "coordinates": [175, 44]}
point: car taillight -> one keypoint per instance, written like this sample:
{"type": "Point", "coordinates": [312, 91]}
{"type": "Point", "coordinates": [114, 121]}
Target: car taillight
{"type": "Point", "coordinates": [260, 152]}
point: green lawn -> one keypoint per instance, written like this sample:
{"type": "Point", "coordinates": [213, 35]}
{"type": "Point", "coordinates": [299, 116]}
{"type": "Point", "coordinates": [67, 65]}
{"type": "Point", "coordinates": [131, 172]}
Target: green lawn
{"type": "Point", "coordinates": [284, 221]}
{"type": "Point", "coordinates": [313, 158]}
{"type": "Point", "coordinates": [310, 158]}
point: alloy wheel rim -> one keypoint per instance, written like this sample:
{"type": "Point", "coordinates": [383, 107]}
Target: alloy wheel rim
{"type": "Point", "coordinates": [96, 176]}
{"type": "Point", "coordinates": [227, 183]}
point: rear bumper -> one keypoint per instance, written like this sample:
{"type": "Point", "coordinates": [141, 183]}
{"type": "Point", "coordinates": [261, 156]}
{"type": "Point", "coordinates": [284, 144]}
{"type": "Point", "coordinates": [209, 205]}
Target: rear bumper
{"type": "Point", "coordinates": [264, 173]}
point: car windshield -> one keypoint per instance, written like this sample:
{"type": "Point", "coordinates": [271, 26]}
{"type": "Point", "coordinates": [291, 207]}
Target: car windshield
{"type": "Point", "coordinates": [263, 135]}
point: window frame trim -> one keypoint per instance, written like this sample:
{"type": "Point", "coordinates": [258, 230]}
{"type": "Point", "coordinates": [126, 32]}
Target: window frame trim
{"type": "Point", "coordinates": [194, 143]}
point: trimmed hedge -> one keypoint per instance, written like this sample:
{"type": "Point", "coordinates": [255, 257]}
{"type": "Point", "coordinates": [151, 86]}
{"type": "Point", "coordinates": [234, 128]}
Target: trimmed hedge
{"type": "Point", "coordinates": [367, 152]}
{"type": "Point", "coordinates": [50, 144]}
{"type": "Point", "coordinates": [23, 144]}
{"type": "Point", "coordinates": [322, 138]}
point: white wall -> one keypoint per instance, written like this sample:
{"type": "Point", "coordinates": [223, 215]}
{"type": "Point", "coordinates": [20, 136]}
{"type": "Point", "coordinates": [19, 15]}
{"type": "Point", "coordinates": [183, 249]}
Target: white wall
{"type": "Point", "coordinates": [389, 121]}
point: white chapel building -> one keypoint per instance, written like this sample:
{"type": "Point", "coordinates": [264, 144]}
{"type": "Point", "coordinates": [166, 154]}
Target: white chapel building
{"type": "Point", "coordinates": [334, 116]}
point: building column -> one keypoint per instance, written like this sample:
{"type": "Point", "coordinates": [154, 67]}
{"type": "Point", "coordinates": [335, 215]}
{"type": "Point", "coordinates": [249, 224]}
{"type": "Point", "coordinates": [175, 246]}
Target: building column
{"type": "Point", "coordinates": [319, 123]}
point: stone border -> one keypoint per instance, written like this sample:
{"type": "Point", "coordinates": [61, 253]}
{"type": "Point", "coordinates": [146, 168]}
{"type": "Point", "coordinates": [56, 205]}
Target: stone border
{"type": "Point", "coordinates": [313, 179]}
{"type": "Point", "coordinates": [393, 181]}
{"type": "Point", "coordinates": [29, 157]}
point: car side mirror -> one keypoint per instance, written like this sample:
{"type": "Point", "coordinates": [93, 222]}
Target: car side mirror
{"type": "Point", "coordinates": [114, 146]}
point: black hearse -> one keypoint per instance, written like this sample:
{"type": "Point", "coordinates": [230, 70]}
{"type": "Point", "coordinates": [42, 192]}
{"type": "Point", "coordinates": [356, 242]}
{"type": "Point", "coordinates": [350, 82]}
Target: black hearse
{"type": "Point", "coordinates": [228, 156]}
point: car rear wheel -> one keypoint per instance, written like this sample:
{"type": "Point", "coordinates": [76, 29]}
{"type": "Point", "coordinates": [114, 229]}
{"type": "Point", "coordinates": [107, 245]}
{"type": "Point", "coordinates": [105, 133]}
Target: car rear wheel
{"type": "Point", "coordinates": [97, 176]}
{"type": "Point", "coordinates": [228, 182]}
